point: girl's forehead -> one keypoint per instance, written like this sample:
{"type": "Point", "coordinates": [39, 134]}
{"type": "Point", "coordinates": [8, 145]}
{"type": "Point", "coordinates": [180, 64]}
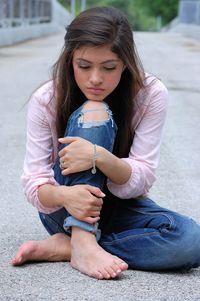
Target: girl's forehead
{"type": "Point", "coordinates": [95, 52]}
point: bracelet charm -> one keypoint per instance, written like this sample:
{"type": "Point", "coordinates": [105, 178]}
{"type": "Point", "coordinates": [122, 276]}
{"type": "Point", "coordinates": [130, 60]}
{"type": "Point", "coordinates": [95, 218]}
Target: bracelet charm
{"type": "Point", "coordinates": [94, 158]}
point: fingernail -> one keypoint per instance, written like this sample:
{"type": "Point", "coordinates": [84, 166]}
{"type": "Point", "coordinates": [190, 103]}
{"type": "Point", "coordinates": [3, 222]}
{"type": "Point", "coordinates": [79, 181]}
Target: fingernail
{"type": "Point", "coordinates": [103, 194]}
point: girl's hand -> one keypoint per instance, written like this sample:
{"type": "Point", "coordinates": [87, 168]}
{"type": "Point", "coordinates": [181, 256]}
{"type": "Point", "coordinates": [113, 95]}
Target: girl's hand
{"type": "Point", "coordinates": [77, 156]}
{"type": "Point", "coordinates": [83, 202]}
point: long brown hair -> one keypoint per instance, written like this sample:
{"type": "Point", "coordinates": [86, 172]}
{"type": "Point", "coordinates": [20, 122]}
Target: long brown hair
{"type": "Point", "coordinates": [95, 27]}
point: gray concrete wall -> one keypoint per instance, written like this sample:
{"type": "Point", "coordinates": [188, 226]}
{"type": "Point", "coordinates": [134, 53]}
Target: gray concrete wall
{"type": "Point", "coordinates": [189, 12]}
{"type": "Point", "coordinates": [60, 18]}
{"type": "Point", "coordinates": [60, 15]}
{"type": "Point", "coordinates": [187, 22]}
{"type": "Point", "coordinates": [187, 30]}
{"type": "Point", "coordinates": [9, 36]}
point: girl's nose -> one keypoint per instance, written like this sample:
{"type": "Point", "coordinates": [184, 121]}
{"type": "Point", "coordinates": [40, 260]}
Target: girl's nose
{"type": "Point", "coordinates": [96, 77]}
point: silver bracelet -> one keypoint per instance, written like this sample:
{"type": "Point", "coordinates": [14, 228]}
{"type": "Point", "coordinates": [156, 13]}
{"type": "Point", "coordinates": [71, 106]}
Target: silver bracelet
{"type": "Point", "coordinates": [94, 158]}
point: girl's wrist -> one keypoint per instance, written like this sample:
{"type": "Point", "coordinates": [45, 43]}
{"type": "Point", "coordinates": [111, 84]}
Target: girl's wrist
{"type": "Point", "coordinates": [100, 154]}
{"type": "Point", "coordinates": [52, 195]}
{"type": "Point", "coordinates": [114, 168]}
{"type": "Point", "coordinates": [104, 158]}
{"type": "Point", "coordinates": [61, 196]}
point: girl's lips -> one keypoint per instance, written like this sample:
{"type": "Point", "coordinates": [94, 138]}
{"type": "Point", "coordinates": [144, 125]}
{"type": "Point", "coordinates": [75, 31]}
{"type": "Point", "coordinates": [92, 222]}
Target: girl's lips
{"type": "Point", "coordinates": [95, 90]}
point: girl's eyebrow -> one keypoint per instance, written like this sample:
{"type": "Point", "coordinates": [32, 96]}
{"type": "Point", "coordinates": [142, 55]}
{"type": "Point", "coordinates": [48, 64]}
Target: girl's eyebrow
{"type": "Point", "coordinates": [104, 62]}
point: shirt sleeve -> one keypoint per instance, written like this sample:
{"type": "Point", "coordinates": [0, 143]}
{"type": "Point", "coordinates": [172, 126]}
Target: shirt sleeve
{"type": "Point", "coordinates": [38, 165]}
{"type": "Point", "coordinates": [144, 153]}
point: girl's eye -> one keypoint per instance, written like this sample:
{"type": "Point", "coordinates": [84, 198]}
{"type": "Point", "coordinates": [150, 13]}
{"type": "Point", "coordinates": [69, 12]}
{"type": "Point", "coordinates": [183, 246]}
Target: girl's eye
{"type": "Point", "coordinates": [84, 66]}
{"type": "Point", "coordinates": [109, 68]}
{"type": "Point", "coordinates": [105, 67]}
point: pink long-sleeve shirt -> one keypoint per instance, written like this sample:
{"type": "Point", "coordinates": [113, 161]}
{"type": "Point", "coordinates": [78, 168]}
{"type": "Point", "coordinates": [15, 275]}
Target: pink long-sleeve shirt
{"type": "Point", "coordinates": [42, 142]}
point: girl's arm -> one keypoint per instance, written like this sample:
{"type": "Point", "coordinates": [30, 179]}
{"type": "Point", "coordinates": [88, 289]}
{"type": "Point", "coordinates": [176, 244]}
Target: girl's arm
{"type": "Point", "coordinates": [117, 170]}
{"type": "Point", "coordinates": [144, 153]}
{"type": "Point", "coordinates": [133, 176]}
{"type": "Point", "coordinates": [82, 201]}
{"type": "Point", "coordinates": [39, 185]}
{"type": "Point", "coordinates": [38, 163]}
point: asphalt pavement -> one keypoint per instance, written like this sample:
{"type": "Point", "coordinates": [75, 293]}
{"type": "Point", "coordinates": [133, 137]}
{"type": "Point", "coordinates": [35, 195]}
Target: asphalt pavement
{"type": "Point", "coordinates": [176, 61]}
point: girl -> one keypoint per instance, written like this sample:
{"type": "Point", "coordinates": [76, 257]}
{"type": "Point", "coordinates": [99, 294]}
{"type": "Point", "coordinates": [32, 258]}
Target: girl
{"type": "Point", "coordinates": [90, 186]}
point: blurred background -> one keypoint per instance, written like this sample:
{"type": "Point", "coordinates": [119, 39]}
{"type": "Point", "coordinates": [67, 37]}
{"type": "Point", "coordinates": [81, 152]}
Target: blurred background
{"type": "Point", "coordinates": [147, 15]}
{"type": "Point", "coordinates": [143, 15]}
{"type": "Point", "coordinates": [53, 15]}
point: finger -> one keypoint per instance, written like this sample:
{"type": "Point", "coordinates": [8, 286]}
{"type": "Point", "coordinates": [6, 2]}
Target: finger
{"type": "Point", "coordinates": [66, 171]}
{"type": "Point", "coordinates": [94, 213]}
{"type": "Point", "coordinates": [96, 208]}
{"type": "Point", "coordinates": [67, 139]}
{"type": "Point", "coordinates": [96, 191]}
{"type": "Point", "coordinates": [91, 220]}
{"type": "Point", "coordinates": [63, 164]}
{"type": "Point", "coordinates": [62, 152]}
{"type": "Point", "coordinates": [62, 160]}
{"type": "Point", "coordinates": [97, 202]}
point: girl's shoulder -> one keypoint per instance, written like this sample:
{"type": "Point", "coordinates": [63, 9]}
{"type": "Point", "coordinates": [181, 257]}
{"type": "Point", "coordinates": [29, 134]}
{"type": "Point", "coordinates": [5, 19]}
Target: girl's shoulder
{"type": "Point", "coordinates": [153, 88]}
{"type": "Point", "coordinates": [44, 95]}
{"type": "Point", "coordinates": [153, 83]}
{"type": "Point", "coordinates": [151, 99]}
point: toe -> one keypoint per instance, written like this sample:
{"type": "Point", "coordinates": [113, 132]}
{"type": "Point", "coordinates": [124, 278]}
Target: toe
{"type": "Point", "coordinates": [121, 264]}
{"type": "Point", "coordinates": [111, 272]}
{"type": "Point", "coordinates": [117, 269]}
{"type": "Point", "coordinates": [17, 260]}
{"type": "Point", "coordinates": [96, 274]}
{"type": "Point", "coordinates": [124, 266]}
{"type": "Point", "coordinates": [105, 274]}
{"type": "Point", "coordinates": [13, 261]}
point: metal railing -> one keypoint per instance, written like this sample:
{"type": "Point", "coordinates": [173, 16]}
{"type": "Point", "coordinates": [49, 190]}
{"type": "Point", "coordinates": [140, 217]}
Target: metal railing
{"type": "Point", "coordinates": [24, 12]}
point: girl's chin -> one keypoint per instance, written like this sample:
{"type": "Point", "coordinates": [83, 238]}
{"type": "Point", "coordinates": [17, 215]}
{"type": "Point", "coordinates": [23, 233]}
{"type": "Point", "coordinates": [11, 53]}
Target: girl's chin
{"type": "Point", "coordinates": [98, 100]}
{"type": "Point", "coordinates": [93, 98]}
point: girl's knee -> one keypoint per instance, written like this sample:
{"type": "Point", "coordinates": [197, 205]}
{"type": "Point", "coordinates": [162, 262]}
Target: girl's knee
{"type": "Point", "coordinates": [95, 111]}
{"type": "Point", "coordinates": [188, 244]}
{"type": "Point", "coordinates": [93, 121]}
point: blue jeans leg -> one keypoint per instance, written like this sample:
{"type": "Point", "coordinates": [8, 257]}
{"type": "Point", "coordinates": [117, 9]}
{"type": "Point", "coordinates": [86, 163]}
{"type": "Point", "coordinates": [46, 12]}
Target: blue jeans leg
{"type": "Point", "coordinates": [101, 132]}
{"type": "Point", "coordinates": [149, 237]}
{"type": "Point", "coordinates": [145, 235]}
{"type": "Point", "coordinates": [98, 132]}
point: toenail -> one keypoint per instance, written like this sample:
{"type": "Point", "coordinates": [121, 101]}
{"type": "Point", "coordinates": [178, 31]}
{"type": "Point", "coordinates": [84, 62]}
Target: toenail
{"type": "Point", "coordinates": [100, 276]}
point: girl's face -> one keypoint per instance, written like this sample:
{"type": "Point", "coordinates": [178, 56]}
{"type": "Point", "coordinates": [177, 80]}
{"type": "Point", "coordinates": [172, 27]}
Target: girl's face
{"type": "Point", "coordinates": [97, 71]}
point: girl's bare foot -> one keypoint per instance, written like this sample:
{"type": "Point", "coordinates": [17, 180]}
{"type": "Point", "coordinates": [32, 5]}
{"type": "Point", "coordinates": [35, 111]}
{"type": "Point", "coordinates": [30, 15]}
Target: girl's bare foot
{"type": "Point", "coordinates": [54, 248]}
{"type": "Point", "coordinates": [89, 258]}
